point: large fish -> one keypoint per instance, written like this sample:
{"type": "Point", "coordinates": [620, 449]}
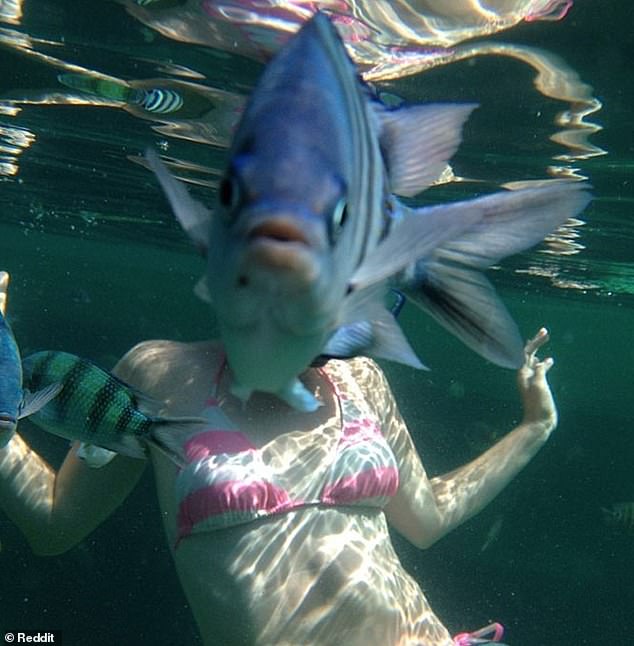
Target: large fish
{"type": "Point", "coordinates": [308, 234]}
{"type": "Point", "coordinates": [101, 411]}
{"type": "Point", "coordinates": [15, 402]}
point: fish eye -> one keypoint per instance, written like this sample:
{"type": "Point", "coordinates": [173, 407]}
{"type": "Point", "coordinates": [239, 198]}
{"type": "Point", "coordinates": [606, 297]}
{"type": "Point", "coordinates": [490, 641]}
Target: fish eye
{"type": "Point", "coordinates": [338, 218]}
{"type": "Point", "coordinates": [229, 193]}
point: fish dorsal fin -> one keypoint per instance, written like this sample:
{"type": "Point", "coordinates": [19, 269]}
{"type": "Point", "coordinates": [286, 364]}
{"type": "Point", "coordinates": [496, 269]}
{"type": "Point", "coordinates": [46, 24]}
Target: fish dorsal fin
{"type": "Point", "coordinates": [193, 217]}
{"type": "Point", "coordinates": [32, 402]}
{"type": "Point", "coordinates": [417, 142]}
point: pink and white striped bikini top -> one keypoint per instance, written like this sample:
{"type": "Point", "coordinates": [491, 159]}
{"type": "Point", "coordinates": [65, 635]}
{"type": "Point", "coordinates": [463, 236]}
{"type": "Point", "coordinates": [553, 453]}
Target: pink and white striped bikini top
{"type": "Point", "coordinates": [228, 481]}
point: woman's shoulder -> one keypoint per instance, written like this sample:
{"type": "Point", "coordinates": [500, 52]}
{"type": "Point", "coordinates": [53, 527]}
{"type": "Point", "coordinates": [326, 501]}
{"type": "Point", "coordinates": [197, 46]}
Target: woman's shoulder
{"type": "Point", "coordinates": [149, 364]}
{"type": "Point", "coordinates": [364, 372]}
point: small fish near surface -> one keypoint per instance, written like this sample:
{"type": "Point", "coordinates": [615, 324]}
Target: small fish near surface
{"type": "Point", "coordinates": [102, 412]}
{"type": "Point", "coordinates": [308, 234]}
{"type": "Point", "coordinates": [16, 402]}
{"type": "Point", "coordinates": [620, 517]}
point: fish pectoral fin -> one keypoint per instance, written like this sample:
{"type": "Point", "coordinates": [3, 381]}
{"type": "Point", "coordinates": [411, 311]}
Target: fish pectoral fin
{"type": "Point", "coordinates": [512, 221]}
{"type": "Point", "coordinates": [32, 402]}
{"type": "Point", "coordinates": [449, 286]}
{"type": "Point", "coordinates": [418, 141]}
{"type": "Point", "coordinates": [418, 233]}
{"type": "Point", "coordinates": [95, 456]}
{"type": "Point", "coordinates": [476, 232]}
{"type": "Point", "coordinates": [463, 301]}
{"type": "Point", "coordinates": [193, 217]}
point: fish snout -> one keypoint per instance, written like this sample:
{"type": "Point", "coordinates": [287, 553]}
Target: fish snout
{"type": "Point", "coordinates": [283, 248]}
{"type": "Point", "coordinates": [7, 422]}
{"type": "Point", "coordinates": [278, 229]}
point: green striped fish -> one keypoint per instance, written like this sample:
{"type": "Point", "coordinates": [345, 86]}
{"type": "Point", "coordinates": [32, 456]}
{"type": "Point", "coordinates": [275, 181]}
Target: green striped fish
{"type": "Point", "coordinates": [99, 410]}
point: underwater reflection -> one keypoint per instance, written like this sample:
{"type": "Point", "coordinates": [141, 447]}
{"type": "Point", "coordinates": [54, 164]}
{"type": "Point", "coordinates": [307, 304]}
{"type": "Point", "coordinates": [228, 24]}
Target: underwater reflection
{"type": "Point", "coordinates": [388, 40]}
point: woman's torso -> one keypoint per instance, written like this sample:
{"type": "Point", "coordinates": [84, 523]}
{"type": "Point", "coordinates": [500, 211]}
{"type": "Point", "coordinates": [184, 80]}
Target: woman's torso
{"type": "Point", "coordinates": [314, 574]}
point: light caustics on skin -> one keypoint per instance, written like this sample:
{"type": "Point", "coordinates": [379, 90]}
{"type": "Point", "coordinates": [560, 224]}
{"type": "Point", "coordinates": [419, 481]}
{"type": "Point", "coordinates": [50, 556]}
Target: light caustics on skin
{"type": "Point", "coordinates": [335, 566]}
{"type": "Point", "coordinates": [11, 11]}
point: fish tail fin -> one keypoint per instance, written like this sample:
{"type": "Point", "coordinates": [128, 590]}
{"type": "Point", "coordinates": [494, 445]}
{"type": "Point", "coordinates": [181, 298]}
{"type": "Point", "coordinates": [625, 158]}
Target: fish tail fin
{"type": "Point", "coordinates": [170, 434]}
{"type": "Point", "coordinates": [448, 282]}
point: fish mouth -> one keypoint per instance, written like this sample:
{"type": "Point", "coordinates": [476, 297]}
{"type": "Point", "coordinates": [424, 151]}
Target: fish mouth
{"type": "Point", "coordinates": [282, 248]}
{"type": "Point", "coordinates": [7, 422]}
{"type": "Point", "coordinates": [278, 231]}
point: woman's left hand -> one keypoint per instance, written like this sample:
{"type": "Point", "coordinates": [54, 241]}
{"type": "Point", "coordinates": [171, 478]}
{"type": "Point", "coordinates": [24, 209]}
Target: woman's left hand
{"type": "Point", "coordinates": [537, 400]}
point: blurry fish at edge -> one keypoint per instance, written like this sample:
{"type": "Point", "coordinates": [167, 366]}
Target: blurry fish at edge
{"type": "Point", "coordinates": [620, 516]}
{"type": "Point", "coordinates": [308, 234]}
{"type": "Point", "coordinates": [15, 402]}
{"type": "Point", "coordinates": [102, 412]}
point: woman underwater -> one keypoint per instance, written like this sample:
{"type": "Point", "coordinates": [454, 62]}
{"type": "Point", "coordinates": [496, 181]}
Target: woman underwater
{"type": "Point", "coordinates": [281, 514]}
{"type": "Point", "coordinates": [313, 563]}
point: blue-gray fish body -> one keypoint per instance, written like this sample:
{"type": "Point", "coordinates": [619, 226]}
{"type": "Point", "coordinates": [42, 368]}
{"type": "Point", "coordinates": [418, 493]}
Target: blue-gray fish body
{"type": "Point", "coordinates": [15, 402]}
{"type": "Point", "coordinates": [96, 408]}
{"type": "Point", "coordinates": [308, 233]}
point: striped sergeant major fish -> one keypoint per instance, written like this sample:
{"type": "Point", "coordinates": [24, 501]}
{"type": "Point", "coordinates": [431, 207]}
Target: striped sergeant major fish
{"type": "Point", "coordinates": [156, 100]}
{"type": "Point", "coordinates": [308, 233]}
{"type": "Point", "coordinates": [15, 402]}
{"type": "Point", "coordinates": [102, 412]}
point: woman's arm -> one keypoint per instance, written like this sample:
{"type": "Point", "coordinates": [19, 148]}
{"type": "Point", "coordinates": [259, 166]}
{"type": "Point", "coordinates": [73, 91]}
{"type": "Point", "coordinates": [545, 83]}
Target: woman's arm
{"type": "Point", "coordinates": [56, 510]}
{"type": "Point", "coordinates": [424, 510]}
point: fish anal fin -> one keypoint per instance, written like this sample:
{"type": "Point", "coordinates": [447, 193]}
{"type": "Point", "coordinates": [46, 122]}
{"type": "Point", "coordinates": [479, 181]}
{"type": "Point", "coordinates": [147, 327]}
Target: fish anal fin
{"type": "Point", "coordinates": [463, 301]}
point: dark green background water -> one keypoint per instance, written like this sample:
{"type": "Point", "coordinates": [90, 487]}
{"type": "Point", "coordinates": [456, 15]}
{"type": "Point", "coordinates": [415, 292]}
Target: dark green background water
{"type": "Point", "coordinates": [97, 264]}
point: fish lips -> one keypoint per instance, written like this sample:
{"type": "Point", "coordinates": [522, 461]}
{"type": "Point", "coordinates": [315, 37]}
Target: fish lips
{"type": "Point", "coordinates": [282, 247]}
{"type": "Point", "coordinates": [7, 422]}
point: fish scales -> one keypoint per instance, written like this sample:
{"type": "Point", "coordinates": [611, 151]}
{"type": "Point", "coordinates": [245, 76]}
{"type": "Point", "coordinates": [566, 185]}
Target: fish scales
{"type": "Point", "coordinates": [367, 161]}
{"type": "Point", "coordinates": [101, 412]}
{"type": "Point", "coordinates": [15, 401]}
{"type": "Point", "coordinates": [90, 397]}
{"type": "Point", "coordinates": [10, 374]}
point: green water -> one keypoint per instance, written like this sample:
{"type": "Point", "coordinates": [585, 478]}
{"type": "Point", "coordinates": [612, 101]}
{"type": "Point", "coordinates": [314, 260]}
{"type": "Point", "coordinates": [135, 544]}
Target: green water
{"type": "Point", "coordinates": [98, 264]}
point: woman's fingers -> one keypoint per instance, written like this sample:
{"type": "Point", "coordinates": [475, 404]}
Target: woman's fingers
{"type": "Point", "coordinates": [536, 342]}
{"type": "Point", "coordinates": [4, 284]}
